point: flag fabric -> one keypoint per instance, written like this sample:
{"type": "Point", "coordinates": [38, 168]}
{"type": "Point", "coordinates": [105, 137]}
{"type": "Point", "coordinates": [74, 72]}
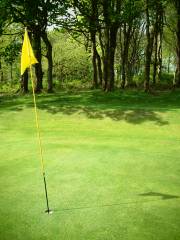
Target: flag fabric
{"type": "Point", "coordinates": [27, 56]}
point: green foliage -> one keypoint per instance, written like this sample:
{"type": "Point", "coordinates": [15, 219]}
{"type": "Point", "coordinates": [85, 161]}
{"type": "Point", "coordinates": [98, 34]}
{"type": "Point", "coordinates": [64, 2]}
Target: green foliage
{"type": "Point", "coordinates": [71, 60]}
{"type": "Point", "coordinates": [167, 78]}
{"type": "Point", "coordinates": [72, 64]}
{"type": "Point", "coordinates": [10, 47]}
{"type": "Point", "coordinates": [132, 9]}
{"type": "Point", "coordinates": [11, 51]}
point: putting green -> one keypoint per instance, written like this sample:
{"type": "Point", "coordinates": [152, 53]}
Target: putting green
{"type": "Point", "coordinates": [112, 163]}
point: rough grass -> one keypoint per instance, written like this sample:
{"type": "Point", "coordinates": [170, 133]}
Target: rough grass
{"type": "Point", "coordinates": [112, 164]}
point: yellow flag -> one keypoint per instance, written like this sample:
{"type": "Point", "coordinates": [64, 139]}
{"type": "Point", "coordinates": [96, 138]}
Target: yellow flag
{"type": "Point", "coordinates": [27, 56]}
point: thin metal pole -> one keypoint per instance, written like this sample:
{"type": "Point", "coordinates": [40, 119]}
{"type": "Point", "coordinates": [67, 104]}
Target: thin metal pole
{"type": "Point", "coordinates": [40, 142]}
{"type": "Point", "coordinates": [45, 187]}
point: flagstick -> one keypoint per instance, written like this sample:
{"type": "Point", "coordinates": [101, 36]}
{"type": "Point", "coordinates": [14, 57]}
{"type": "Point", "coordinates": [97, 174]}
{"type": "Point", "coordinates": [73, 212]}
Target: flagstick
{"type": "Point", "coordinates": [40, 142]}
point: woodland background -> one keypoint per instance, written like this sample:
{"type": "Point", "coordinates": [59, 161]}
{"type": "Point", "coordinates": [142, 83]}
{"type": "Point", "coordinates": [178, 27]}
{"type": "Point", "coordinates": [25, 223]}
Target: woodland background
{"type": "Point", "coordinates": [104, 44]}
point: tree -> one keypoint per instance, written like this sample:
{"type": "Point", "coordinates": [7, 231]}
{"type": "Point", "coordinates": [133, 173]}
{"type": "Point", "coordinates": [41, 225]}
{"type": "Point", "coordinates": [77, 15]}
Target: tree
{"type": "Point", "coordinates": [36, 15]}
{"type": "Point", "coordinates": [177, 8]}
{"type": "Point", "coordinates": [131, 20]}
{"type": "Point", "coordinates": [87, 23]}
{"type": "Point", "coordinates": [158, 36]}
{"type": "Point", "coordinates": [112, 20]}
{"type": "Point", "coordinates": [10, 54]}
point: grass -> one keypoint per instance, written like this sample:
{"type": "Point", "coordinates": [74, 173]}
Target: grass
{"type": "Point", "coordinates": [112, 163]}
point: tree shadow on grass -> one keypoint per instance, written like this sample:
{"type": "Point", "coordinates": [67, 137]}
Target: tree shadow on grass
{"type": "Point", "coordinates": [130, 108]}
{"type": "Point", "coordinates": [133, 116]}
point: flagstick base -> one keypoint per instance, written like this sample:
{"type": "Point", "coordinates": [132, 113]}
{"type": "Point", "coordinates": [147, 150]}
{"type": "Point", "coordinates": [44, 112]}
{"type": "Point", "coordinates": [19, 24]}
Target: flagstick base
{"type": "Point", "coordinates": [49, 211]}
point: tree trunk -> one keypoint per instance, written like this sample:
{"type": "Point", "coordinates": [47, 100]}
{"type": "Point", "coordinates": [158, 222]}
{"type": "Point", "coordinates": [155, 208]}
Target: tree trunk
{"type": "Point", "coordinates": [24, 82]}
{"type": "Point", "coordinates": [100, 74]}
{"type": "Point", "coordinates": [103, 55]}
{"type": "Point", "coordinates": [94, 56]}
{"type": "Point", "coordinates": [160, 29]}
{"type": "Point", "coordinates": [123, 67]}
{"type": "Point", "coordinates": [123, 75]}
{"type": "Point", "coordinates": [106, 43]}
{"type": "Point", "coordinates": [93, 29]}
{"type": "Point", "coordinates": [50, 61]}
{"type": "Point", "coordinates": [130, 74]}
{"type": "Point", "coordinates": [156, 33]}
{"type": "Point", "coordinates": [38, 66]}
{"type": "Point", "coordinates": [110, 35]}
{"type": "Point", "coordinates": [1, 72]}
{"type": "Point", "coordinates": [11, 73]}
{"type": "Point", "coordinates": [178, 44]}
{"type": "Point", "coordinates": [106, 72]}
{"type": "Point", "coordinates": [169, 62]}
{"type": "Point", "coordinates": [148, 50]}
{"type": "Point", "coordinates": [113, 37]}
{"type": "Point", "coordinates": [124, 55]}
{"type": "Point", "coordinates": [160, 57]}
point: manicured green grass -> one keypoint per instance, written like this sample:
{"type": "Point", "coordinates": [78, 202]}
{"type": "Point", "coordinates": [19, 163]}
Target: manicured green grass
{"type": "Point", "coordinates": [112, 163]}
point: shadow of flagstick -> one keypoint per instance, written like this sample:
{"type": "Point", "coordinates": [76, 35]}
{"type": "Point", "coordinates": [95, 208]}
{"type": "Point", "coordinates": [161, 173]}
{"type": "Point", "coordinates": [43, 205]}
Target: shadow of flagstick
{"type": "Point", "coordinates": [151, 194]}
